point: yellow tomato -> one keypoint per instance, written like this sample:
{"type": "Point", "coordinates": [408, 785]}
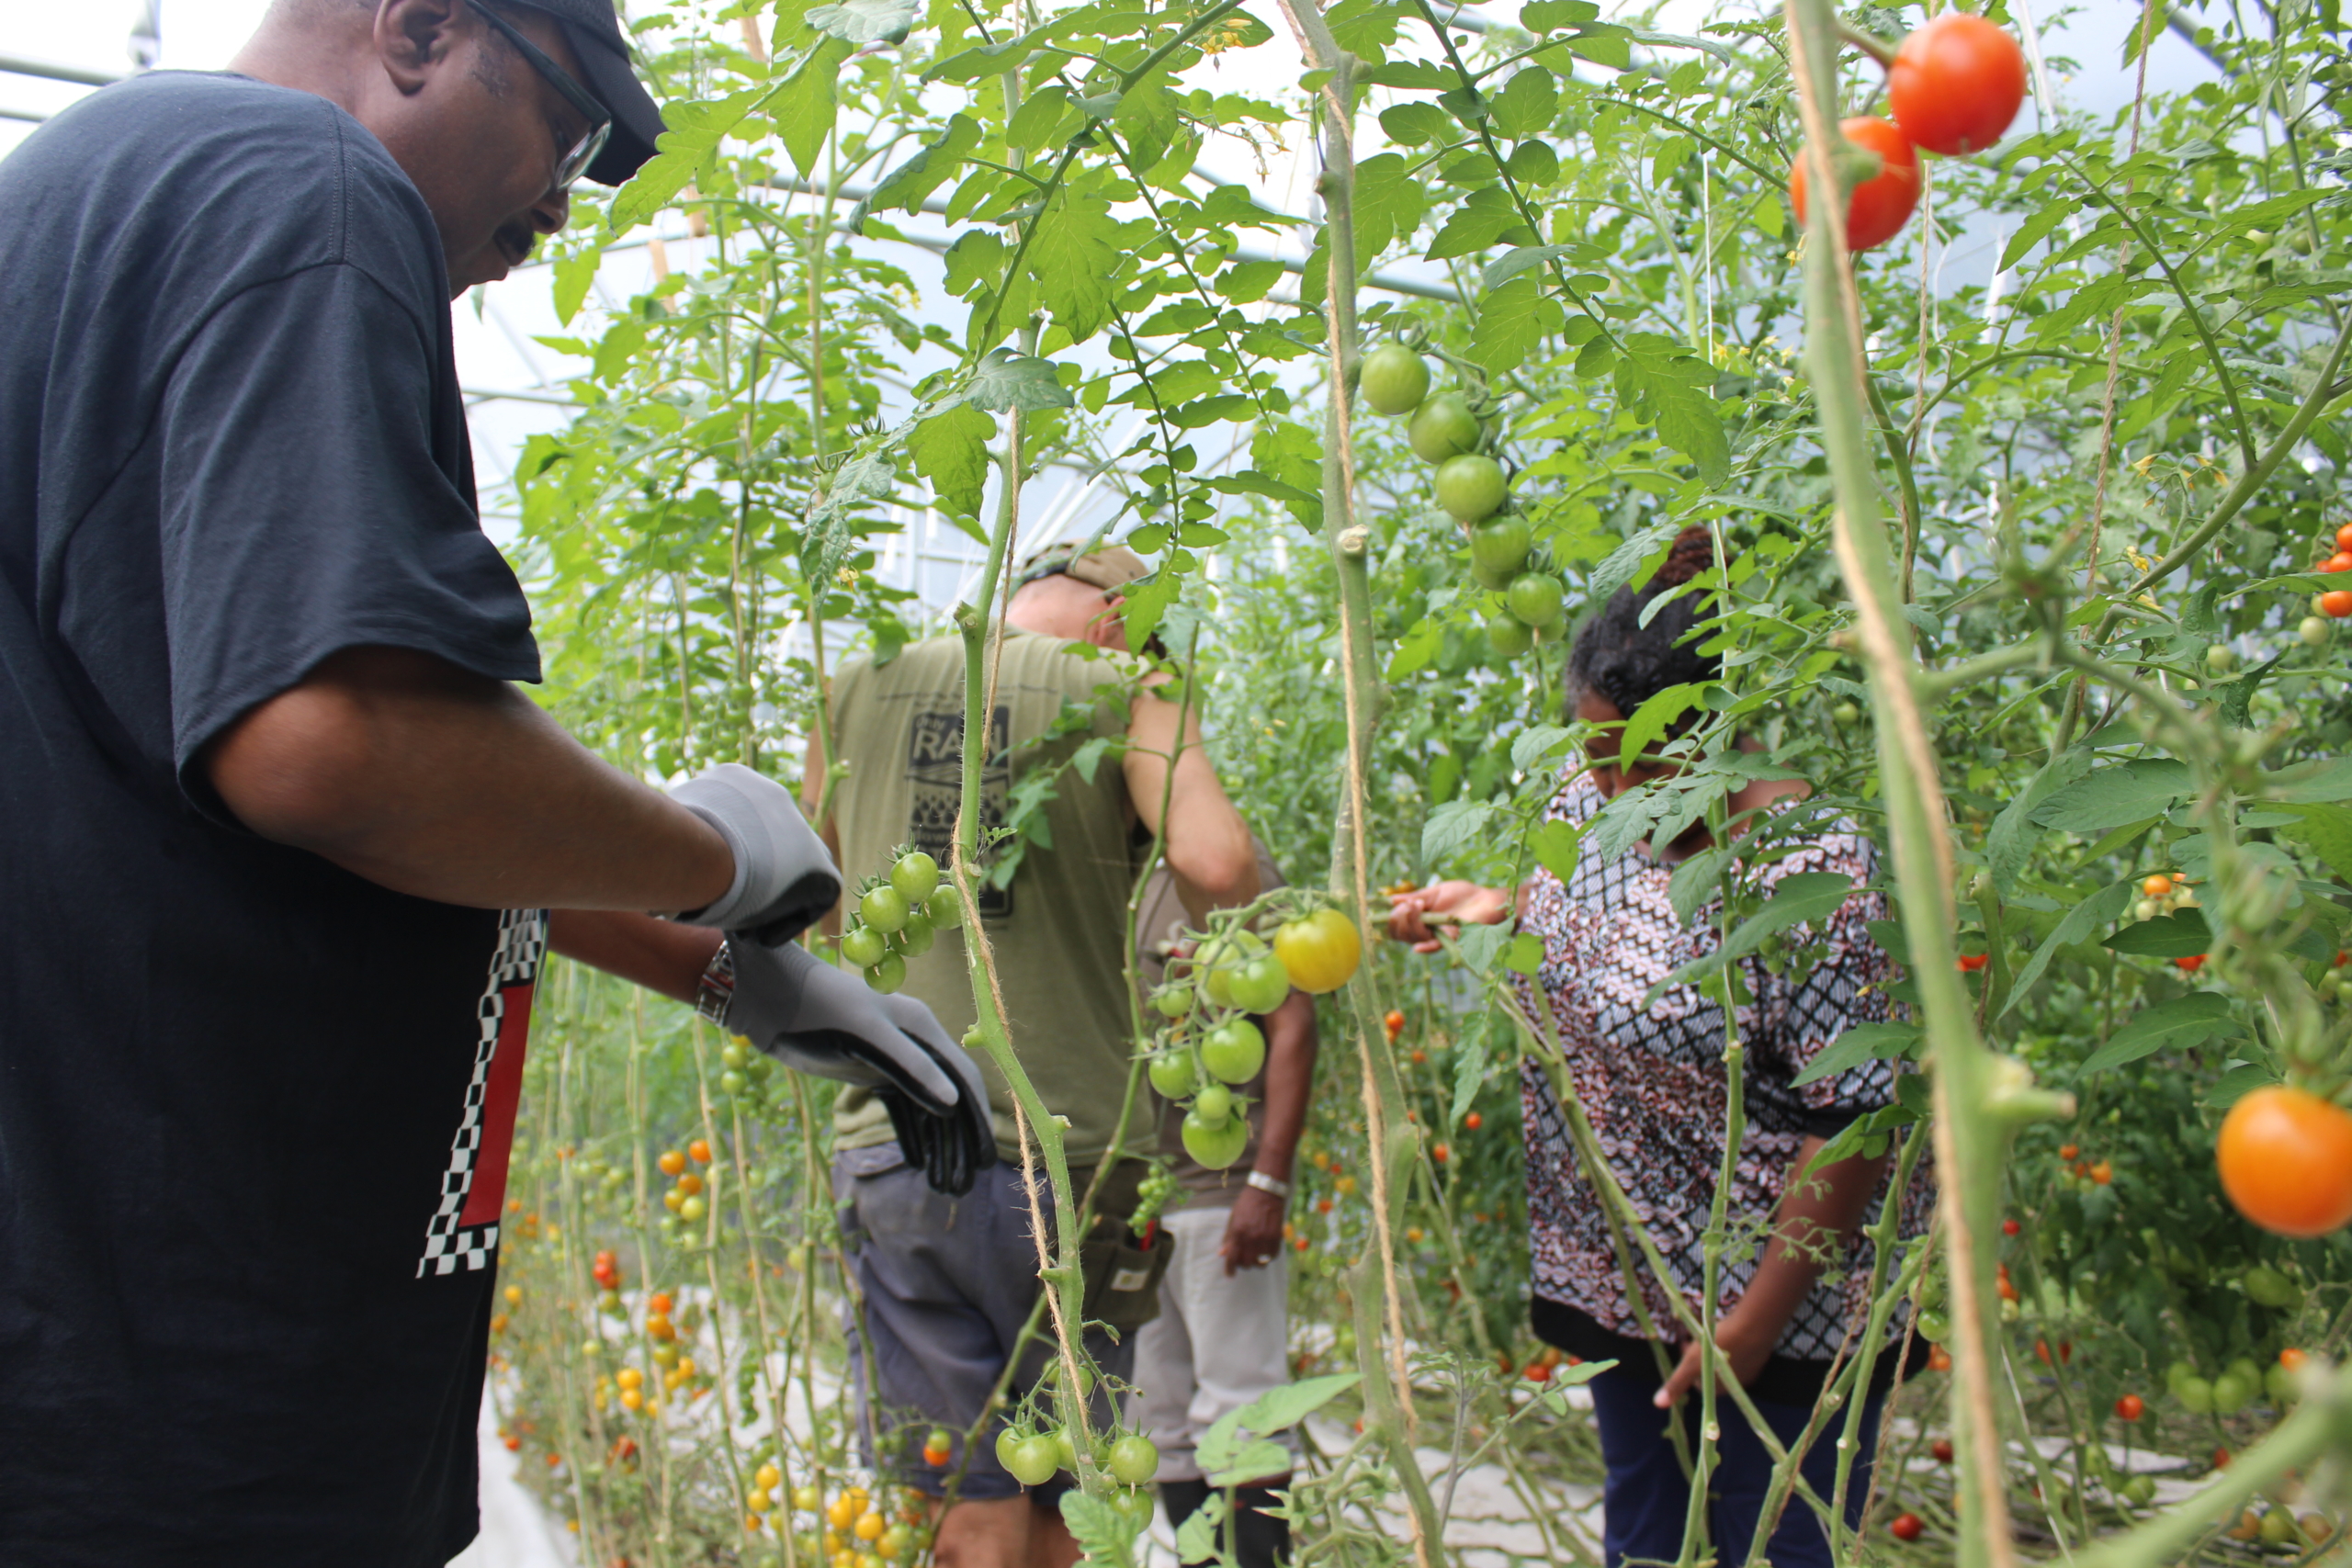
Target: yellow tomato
{"type": "Point", "coordinates": [869, 1526]}
{"type": "Point", "coordinates": [1321, 952]}
{"type": "Point", "coordinates": [768, 1478]}
{"type": "Point", "coordinates": [843, 1513]}
{"type": "Point", "coordinates": [629, 1377]}
{"type": "Point", "coordinates": [759, 1502]}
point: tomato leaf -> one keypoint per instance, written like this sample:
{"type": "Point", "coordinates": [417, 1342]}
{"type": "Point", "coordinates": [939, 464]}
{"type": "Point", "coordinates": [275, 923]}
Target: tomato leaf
{"type": "Point", "coordinates": [1640, 554]}
{"type": "Point", "coordinates": [2114, 795]}
{"type": "Point", "coordinates": [907, 187]}
{"type": "Point", "coordinates": [1554, 845]}
{"type": "Point", "coordinates": [1803, 897]}
{"type": "Point", "coordinates": [1075, 251]}
{"type": "Point", "coordinates": [2326, 832]}
{"type": "Point", "coordinates": [1416, 648]}
{"type": "Point", "coordinates": [2011, 835]}
{"type": "Point", "coordinates": [1526, 103]}
{"type": "Point", "coordinates": [1511, 322]}
{"type": "Point", "coordinates": [1453, 825]}
{"type": "Point", "coordinates": [2237, 1083]}
{"type": "Point", "coordinates": [950, 450]}
{"type": "Point", "coordinates": [862, 21]}
{"type": "Point", "coordinates": [573, 274]}
{"type": "Point", "coordinates": [1278, 1409]}
{"type": "Point", "coordinates": [2176, 1024]}
{"type": "Point", "coordinates": [2311, 783]}
{"type": "Point", "coordinates": [1863, 1042]}
{"type": "Point", "coordinates": [1101, 1532]}
{"type": "Point", "coordinates": [2181, 935]}
{"type": "Point", "coordinates": [1676, 392]}
{"type": "Point", "coordinates": [1648, 723]}
{"type": "Point", "coordinates": [804, 110]}
{"type": "Point", "coordinates": [2081, 921]}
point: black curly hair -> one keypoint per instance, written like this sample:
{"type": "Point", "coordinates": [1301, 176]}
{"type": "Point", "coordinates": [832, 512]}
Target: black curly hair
{"type": "Point", "coordinates": [1618, 658]}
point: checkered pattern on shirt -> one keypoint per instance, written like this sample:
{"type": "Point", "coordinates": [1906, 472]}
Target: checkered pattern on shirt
{"type": "Point", "coordinates": [1653, 1084]}
{"type": "Point", "coordinates": [513, 962]}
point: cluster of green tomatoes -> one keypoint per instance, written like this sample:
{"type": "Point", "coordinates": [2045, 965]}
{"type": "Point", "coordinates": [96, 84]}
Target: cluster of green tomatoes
{"type": "Point", "coordinates": [1446, 431]}
{"type": "Point", "coordinates": [1032, 1456]}
{"type": "Point", "coordinates": [1209, 1045]}
{"type": "Point", "coordinates": [896, 918]}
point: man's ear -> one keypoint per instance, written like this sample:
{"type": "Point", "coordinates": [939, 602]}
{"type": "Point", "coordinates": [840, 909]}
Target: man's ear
{"type": "Point", "coordinates": [414, 37]}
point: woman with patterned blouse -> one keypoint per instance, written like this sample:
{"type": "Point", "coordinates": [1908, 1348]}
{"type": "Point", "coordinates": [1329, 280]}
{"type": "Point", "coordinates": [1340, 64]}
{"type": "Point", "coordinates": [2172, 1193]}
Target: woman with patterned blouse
{"type": "Point", "coordinates": [1653, 1082]}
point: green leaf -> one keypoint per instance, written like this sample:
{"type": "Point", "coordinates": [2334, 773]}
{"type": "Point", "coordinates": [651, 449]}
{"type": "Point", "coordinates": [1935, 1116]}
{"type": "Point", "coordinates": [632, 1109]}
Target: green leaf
{"type": "Point", "coordinates": [1526, 103]}
{"type": "Point", "coordinates": [1416, 648]}
{"type": "Point", "coordinates": [2113, 796]}
{"type": "Point", "coordinates": [2326, 832]}
{"type": "Point", "coordinates": [1696, 881]}
{"type": "Point", "coordinates": [1453, 825]}
{"type": "Point", "coordinates": [1101, 1532]}
{"type": "Point", "coordinates": [619, 347]}
{"type": "Point", "coordinates": [1648, 724]}
{"type": "Point", "coordinates": [2081, 920]}
{"type": "Point", "coordinates": [1005, 381]}
{"type": "Point", "coordinates": [907, 187]}
{"type": "Point", "coordinates": [2311, 783]}
{"type": "Point", "coordinates": [2237, 1083]}
{"type": "Point", "coordinates": [1804, 896]}
{"type": "Point", "coordinates": [694, 129]}
{"type": "Point", "coordinates": [1072, 255]}
{"type": "Point", "coordinates": [2181, 935]}
{"type": "Point", "coordinates": [951, 450]}
{"type": "Point", "coordinates": [1511, 323]}
{"type": "Point", "coordinates": [1555, 847]}
{"type": "Point", "coordinates": [1213, 410]}
{"type": "Point", "coordinates": [1389, 200]}
{"type": "Point", "coordinates": [1416, 124]}
{"type": "Point", "coordinates": [2012, 835]}
{"type": "Point", "coordinates": [832, 535]}
{"type": "Point", "coordinates": [1485, 215]}
{"type": "Point", "coordinates": [2172, 1025]}
{"type": "Point", "coordinates": [1196, 1537]}
{"type": "Point", "coordinates": [804, 110]}
{"type": "Point", "coordinates": [1469, 1074]}
{"type": "Point", "coordinates": [1542, 15]}
{"type": "Point", "coordinates": [2036, 229]}
{"type": "Point", "coordinates": [1863, 1042]}
{"type": "Point", "coordinates": [1532, 163]}
{"type": "Point", "coordinates": [1620, 566]}
{"type": "Point", "coordinates": [1677, 394]}
{"type": "Point", "coordinates": [1278, 1409]}
{"type": "Point", "coordinates": [574, 274]}
{"type": "Point", "coordinates": [864, 21]}
{"type": "Point", "coordinates": [1525, 953]}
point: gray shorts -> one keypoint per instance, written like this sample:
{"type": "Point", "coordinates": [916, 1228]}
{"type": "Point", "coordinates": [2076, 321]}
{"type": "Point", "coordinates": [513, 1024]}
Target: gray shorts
{"type": "Point", "coordinates": [948, 1284]}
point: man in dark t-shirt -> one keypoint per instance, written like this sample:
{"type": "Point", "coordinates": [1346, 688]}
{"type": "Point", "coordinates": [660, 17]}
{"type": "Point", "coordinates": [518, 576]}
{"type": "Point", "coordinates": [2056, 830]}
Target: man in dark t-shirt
{"type": "Point", "coordinates": [278, 836]}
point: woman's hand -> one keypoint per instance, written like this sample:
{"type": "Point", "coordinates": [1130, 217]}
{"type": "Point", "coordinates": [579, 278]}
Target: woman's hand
{"type": "Point", "coordinates": [1412, 916]}
{"type": "Point", "coordinates": [1746, 1346]}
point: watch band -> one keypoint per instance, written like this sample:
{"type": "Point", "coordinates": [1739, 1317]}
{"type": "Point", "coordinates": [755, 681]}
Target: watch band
{"type": "Point", "coordinates": [715, 993]}
{"type": "Point", "coordinates": [1273, 1184]}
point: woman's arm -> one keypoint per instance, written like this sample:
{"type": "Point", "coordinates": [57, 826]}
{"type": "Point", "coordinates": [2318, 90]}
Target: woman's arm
{"type": "Point", "coordinates": [1411, 915]}
{"type": "Point", "coordinates": [1817, 1216]}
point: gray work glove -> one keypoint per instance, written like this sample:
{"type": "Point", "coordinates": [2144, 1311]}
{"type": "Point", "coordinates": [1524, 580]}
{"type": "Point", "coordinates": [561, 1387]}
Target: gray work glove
{"type": "Point", "coordinates": [783, 879]}
{"type": "Point", "coordinates": [827, 1021]}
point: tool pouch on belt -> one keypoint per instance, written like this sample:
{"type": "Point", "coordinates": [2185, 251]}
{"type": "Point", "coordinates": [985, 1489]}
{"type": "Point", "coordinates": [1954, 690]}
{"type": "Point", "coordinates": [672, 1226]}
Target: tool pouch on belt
{"type": "Point", "coordinates": [1122, 1278]}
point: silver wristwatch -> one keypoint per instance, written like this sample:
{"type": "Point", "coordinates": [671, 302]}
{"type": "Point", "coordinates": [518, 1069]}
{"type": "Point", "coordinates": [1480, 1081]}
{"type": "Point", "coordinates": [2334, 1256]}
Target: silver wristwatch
{"type": "Point", "coordinates": [1273, 1184]}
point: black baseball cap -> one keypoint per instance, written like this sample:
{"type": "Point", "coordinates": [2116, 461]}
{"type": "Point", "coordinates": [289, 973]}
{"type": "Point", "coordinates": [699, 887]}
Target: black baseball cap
{"type": "Point", "coordinates": [596, 34]}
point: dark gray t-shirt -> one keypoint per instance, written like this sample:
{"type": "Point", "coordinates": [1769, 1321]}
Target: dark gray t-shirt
{"type": "Point", "coordinates": [254, 1111]}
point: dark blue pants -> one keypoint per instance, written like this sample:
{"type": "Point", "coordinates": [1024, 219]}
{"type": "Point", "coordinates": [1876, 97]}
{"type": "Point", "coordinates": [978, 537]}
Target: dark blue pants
{"type": "Point", "coordinates": [1645, 1498]}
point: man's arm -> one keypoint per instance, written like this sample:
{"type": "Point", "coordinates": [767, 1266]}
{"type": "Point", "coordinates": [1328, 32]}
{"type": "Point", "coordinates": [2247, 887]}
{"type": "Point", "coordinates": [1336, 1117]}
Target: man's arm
{"type": "Point", "coordinates": [1208, 845]}
{"type": "Point", "coordinates": [1254, 1233]}
{"type": "Point", "coordinates": [660, 955]}
{"type": "Point", "coordinates": [431, 780]}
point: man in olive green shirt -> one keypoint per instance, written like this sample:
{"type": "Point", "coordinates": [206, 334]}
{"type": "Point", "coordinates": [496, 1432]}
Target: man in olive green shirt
{"type": "Point", "coordinates": [947, 1284]}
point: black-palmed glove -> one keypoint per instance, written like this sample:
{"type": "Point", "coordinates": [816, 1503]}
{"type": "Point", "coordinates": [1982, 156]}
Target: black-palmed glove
{"type": "Point", "coordinates": [783, 879]}
{"type": "Point", "coordinates": [827, 1021]}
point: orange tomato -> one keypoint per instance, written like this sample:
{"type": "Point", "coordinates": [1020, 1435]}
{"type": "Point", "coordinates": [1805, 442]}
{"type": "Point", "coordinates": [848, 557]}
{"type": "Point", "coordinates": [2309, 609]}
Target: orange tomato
{"type": "Point", "coordinates": [1880, 205]}
{"type": "Point", "coordinates": [699, 1151]}
{"type": "Point", "coordinates": [659, 1304]}
{"type": "Point", "coordinates": [2335, 603]}
{"type": "Point", "coordinates": [2285, 1159]}
{"type": "Point", "coordinates": [2068, 1151]}
{"type": "Point", "coordinates": [2290, 1358]}
{"type": "Point", "coordinates": [1473, 1121]}
{"type": "Point", "coordinates": [2102, 1173]}
{"type": "Point", "coordinates": [671, 1162]}
{"type": "Point", "coordinates": [2131, 1407]}
{"type": "Point", "coordinates": [1970, 962]}
{"type": "Point", "coordinates": [2156, 886]}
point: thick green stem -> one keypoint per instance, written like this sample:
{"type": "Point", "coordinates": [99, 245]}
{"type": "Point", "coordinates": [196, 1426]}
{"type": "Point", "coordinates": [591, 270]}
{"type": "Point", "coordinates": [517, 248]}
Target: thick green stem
{"type": "Point", "coordinates": [1969, 1136]}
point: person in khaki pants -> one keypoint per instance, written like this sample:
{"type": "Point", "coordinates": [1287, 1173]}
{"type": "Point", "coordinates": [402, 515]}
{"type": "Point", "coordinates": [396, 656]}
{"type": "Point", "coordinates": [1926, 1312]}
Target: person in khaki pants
{"type": "Point", "coordinates": [1223, 1333]}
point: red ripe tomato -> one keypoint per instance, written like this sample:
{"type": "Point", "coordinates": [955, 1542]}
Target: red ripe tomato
{"type": "Point", "coordinates": [1970, 962]}
{"type": "Point", "coordinates": [1942, 1450]}
{"type": "Point", "coordinates": [2335, 603]}
{"type": "Point", "coordinates": [1907, 1526]}
{"type": "Point", "coordinates": [1394, 1024]}
{"type": "Point", "coordinates": [2131, 1407]}
{"type": "Point", "coordinates": [1538, 1373]}
{"type": "Point", "coordinates": [1439, 1153]}
{"type": "Point", "coordinates": [2285, 1158]}
{"type": "Point", "coordinates": [1956, 83]}
{"type": "Point", "coordinates": [2011, 1227]}
{"type": "Point", "coordinates": [2192, 963]}
{"type": "Point", "coordinates": [1473, 1121]}
{"type": "Point", "coordinates": [1881, 204]}
{"type": "Point", "coordinates": [2068, 1151]}
{"type": "Point", "coordinates": [2344, 537]}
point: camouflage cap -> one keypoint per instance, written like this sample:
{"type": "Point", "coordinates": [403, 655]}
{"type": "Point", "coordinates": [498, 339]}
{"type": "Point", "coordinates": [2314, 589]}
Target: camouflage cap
{"type": "Point", "coordinates": [1113, 566]}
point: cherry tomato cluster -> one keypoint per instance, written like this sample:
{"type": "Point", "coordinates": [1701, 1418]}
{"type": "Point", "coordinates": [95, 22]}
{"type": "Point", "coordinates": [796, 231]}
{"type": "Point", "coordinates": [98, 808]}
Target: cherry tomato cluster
{"type": "Point", "coordinates": [898, 916]}
{"type": "Point", "coordinates": [2336, 602]}
{"type": "Point", "coordinates": [1209, 1045]}
{"type": "Point", "coordinates": [1953, 87]}
{"type": "Point", "coordinates": [1032, 1456]}
{"type": "Point", "coordinates": [687, 1196]}
{"type": "Point", "coordinates": [857, 1532]}
{"type": "Point", "coordinates": [1445, 430]}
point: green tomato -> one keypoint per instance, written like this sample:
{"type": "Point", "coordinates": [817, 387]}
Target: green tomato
{"type": "Point", "coordinates": [888, 974]}
{"type": "Point", "coordinates": [1134, 1460]}
{"type": "Point", "coordinates": [1215, 1106]}
{"type": "Point", "coordinates": [1214, 1145]}
{"type": "Point", "coordinates": [2140, 1491]}
{"type": "Point", "coordinates": [2316, 631]}
{"type": "Point", "coordinates": [1846, 713]}
{"type": "Point", "coordinates": [1235, 1052]}
{"type": "Point", "coordinates": [1065, 1449]}
{"type": "Point", "coordinates": [735, 1053]}
{"type": "Point", "coordinates": [1934, 1327]}
{"type": "Point", "coordinates": [2196, 1396]}
{"type": "Point", "coordinates": [916, 876]}
{"type": "Point", "coordinates": [1442, 426]}
{"type": "Point", "coordinates": [2278, 1527]}
{"type": "Point", "coordinates": [1262, 986]}
{"type": "Point", "coordinates": [864, 946]}
{"type": "Point", "coordinates": [1471, 487]}
{"type": "Point", "coordinates": [1511, 635]}
{"type": "Point", "coordinates": [1499, 546]}
{"type": "Point", "coordinates": [2279, 1384]}
{"type": "Point", "coordinates": [1033, 1460]}
{"type": "Point", "coordinates": [915, 937]}
{"type": "Point", "coordinates": [2233, 1393]}
{"type": "Point", "coordinates": [1172, 1001]}
{"type": "Point", "coordinates": [1394, 379]}
{"type": "Point", "coordinates": [1534, 597]}
{"type": "Point", "coordinates": [1008, 1443]}
{"type": "Point", "coordinates": [946, 910]}
{"type": "Point", "coordinates": [1134, 1508]}
{"type": "Point", "coordinates": [2220, 658]}
{"type": "Point", "coordinates": [884, 909]}
{"type": "Point", "coordinates": [733, 1082]}
{"type": "Point", "coordinates": [760, 1067]}
{"type": "Point", "coordinates": [1172, 1074]}
{"type": "Point", "coordinates": [1220, 963]}
{"type": "Point", "coordinates": [693, 1209]}
{"type": "Point", "coordinates": [2270, 1287]}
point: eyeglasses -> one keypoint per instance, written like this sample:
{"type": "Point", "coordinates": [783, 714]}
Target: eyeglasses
{"type": "Point", "coordinates": [575, 163]}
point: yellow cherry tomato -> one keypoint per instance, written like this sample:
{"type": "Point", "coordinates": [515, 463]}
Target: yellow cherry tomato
{"type": "Point", "coordinates": [1321, 952]}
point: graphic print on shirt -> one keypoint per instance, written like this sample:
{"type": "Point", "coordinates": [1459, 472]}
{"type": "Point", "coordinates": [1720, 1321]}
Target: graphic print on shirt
{"type": "Point", "coordinates": [464, 1231]}
{"type": "Point", "coordinates": [935, 768]}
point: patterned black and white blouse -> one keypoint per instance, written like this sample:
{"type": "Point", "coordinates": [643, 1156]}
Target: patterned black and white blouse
{"type": "Point", "coordinates": [1655, 1087]}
